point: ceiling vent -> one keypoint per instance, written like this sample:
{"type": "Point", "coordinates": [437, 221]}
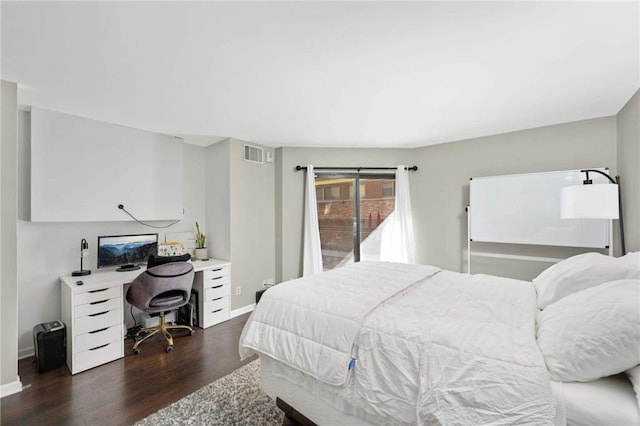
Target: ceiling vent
{"type": "Point", "coordinates": [253, 154]}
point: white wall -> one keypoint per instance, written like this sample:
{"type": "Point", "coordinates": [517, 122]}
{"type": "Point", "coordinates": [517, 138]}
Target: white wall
{"type": "Point", "coordinates": [241, 217]}
{"type": "Point", "coordinates": [49, 250]}
{"type": "Point", "coordinates": [218, 199]}
{"type": "Point", "coordinates": [9, 381]}
{"type": "Point", "coordinates": [628, 126]}
{"type": "Point", "coordinates": [440, 190]}
{"type": "Point", "coordinates": [252, 225]}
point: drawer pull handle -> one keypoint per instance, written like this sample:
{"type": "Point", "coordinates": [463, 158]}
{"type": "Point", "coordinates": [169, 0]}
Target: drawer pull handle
{"type": "Point", "coordinates": [216, 278]}
{"type": "Point", "coordinates": [98, 331]}
{"type": "Point", "coordinates": [216, 270]}
{"type": "Point", "coordinates": [99, 302]}
{"type": "Point", "coordinates": [217, 310]}
{"type": "Point", "coordinates": [98, 291]}
{"type": "Point", "coordinates": [99, 313]}
{"type": "Point", "coordinates": [217, 286]}
{"type": "Point", "coordinates": [217, 298]}
{"type": "Point", "coordinates": [99, 347]}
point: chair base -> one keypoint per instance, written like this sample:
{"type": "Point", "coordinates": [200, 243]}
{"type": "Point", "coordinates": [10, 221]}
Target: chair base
{"type": "Point", "coordinates": [162, 328]}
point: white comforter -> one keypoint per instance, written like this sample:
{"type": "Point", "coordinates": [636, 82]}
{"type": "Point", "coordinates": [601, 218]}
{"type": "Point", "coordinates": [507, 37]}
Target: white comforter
{"type": "Point", "coordinates": [447, 348]}
{"type": "Point", "coordinates": [312, 323]}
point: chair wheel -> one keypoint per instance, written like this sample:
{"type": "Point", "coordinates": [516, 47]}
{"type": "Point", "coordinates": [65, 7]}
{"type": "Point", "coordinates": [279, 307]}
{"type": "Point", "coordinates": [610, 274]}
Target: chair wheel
{"type": "Point", "coordinates": [192, 333]}
{"type": "Point", "coordinates": [169, 349]}
{"type": "Point", "coordinates": [137, 351]}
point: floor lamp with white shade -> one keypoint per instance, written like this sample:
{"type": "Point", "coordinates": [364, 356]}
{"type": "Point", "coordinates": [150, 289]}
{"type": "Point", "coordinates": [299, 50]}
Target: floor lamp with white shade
{"type": "Point", "coordinates": [589, 201]}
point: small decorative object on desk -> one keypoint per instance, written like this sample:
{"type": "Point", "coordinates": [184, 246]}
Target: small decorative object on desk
{"type": "Point", "coordinates": [201, 248]}
{"type": "Point", "coordinates": [170, 248]}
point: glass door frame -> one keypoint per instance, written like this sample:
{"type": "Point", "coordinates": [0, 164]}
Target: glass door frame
{"type": "Point", "coordinates": [356, 176]}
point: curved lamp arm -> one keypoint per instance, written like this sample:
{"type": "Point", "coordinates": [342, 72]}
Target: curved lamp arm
{"type": "Point", "coordinates": [588, 181]}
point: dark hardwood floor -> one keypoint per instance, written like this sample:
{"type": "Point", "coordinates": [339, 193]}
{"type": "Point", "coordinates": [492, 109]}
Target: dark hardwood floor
{"type": "Point", "coordinates": [129, 389]}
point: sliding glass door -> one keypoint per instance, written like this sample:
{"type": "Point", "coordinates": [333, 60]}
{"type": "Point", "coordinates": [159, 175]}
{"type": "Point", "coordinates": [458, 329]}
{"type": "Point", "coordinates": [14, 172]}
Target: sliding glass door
{"type": "Point", "coordinates": [352, 209]}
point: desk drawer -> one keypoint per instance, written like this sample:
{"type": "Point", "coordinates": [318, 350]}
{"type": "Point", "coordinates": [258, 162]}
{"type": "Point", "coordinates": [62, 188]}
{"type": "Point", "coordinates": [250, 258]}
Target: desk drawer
{"type": "Point", "coordinates": [215, 280]}
{"type": "Point", "coordinates": [97, 306]}
{"type": "Point", "coordinates": [223, 271]}
{"type": "Point", "coordinates": [97, 294]}
{"type": "Point", "coordinates": [98, 321]}
{"type": "Point", "coordinates": [219, 303]}
{"type": "Point", "coordinates": [217, 292]}
{"type": "Point", "coordinates": [214, 316]}
{"type": "Point", "coordinates": [97, 356]}
{"type": "Point", "coordinates": [97, 338]}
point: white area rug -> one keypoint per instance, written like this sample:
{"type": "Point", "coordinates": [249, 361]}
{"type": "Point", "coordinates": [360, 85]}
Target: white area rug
{"type": "Point", "coordinates": [232, 400]}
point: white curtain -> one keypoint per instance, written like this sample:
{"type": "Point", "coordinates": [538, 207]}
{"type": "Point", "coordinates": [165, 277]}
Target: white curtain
{"type": "Point", "coordinates": [312, 250]}
{"type": "Point", "coordinates": [397, 243]}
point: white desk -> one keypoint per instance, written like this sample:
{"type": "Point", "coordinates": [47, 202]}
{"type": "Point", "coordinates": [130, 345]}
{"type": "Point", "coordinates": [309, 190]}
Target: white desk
{"type": "Point", "coordinates": [93, 312]}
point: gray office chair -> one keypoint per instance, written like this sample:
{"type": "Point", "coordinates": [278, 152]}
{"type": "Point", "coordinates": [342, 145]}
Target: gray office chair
{"type": "Point", "coordinates": [158, 290]}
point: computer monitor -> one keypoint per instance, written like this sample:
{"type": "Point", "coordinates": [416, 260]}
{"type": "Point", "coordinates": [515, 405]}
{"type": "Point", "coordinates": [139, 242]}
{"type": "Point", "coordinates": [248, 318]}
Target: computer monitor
{"type": "Point", "coordinates": [126, 251]}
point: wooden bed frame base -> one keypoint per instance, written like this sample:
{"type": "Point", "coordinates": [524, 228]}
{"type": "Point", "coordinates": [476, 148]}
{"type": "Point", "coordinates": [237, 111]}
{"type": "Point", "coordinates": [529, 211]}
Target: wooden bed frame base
{"type": "Point", "coordinates": [292, 417]}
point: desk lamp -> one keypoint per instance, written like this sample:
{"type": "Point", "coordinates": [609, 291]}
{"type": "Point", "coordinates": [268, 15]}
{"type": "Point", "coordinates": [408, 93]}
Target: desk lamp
{"type": "Point", "coordinates": [84, 252]}
{"type": "Point", "coordinates": [589, 201]}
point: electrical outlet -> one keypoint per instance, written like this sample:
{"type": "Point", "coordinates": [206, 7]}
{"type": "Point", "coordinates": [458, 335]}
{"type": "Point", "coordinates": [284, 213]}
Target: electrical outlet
{"type": "Point", "coordinates": [238, 290]}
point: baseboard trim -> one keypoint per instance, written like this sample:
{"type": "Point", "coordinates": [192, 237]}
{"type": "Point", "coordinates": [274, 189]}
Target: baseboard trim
{"type": "Point", "coordinates": [26, 353]}
{"type": "Point", "coordinates": [11, 388]}
{"type": "Point", "coordinates": [241, 311]}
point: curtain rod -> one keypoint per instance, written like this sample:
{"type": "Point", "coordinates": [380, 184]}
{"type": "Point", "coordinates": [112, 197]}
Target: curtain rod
{"type": "Point", "coordinates": [411, 169]}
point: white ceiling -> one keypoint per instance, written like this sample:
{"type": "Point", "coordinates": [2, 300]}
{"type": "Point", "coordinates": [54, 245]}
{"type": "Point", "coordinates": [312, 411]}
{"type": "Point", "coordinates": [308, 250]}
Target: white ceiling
{"type": "Point", "coordinates": [374, 74]}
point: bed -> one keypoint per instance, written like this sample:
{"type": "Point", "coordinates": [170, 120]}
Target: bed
{"type": "Point", "coordinates": [386, 343]}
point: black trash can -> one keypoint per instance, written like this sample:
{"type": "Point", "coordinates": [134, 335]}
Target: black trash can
{"type": "Point", "coordinates": [49, 345]}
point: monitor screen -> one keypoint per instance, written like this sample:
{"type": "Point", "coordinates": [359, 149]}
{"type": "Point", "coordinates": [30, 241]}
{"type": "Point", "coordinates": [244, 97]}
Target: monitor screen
{"type": "Point", "coordinates": [118, 250]}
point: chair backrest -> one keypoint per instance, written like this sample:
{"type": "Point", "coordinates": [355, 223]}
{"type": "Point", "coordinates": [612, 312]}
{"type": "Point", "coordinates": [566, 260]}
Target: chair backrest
{"type": "Point", "coordinates": [161, 260]}
{"type": "Point", "coordinates": [173, 277]}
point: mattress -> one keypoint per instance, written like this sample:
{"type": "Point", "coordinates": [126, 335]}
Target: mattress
{"type": "Point", "coordinates": [319, 402]}
{"type": "Point", "coordinates": [608, 401]}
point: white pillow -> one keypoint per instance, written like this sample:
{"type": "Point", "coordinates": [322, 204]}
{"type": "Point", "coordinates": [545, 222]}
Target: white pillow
{"type": "Point", "coordinates": [633, 258]}
{"type": "Point", "coordinates": [579, 272]}
{"type": "Point", "coordinates": [634, 377]}
{"type": "Point", "coordinates": [592, 333]}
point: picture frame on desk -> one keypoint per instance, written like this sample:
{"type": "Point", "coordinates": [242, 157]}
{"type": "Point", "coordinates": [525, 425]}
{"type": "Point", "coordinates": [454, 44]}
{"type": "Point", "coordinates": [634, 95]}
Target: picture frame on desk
{"type": "Point", "coordinates": [171, 249]}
